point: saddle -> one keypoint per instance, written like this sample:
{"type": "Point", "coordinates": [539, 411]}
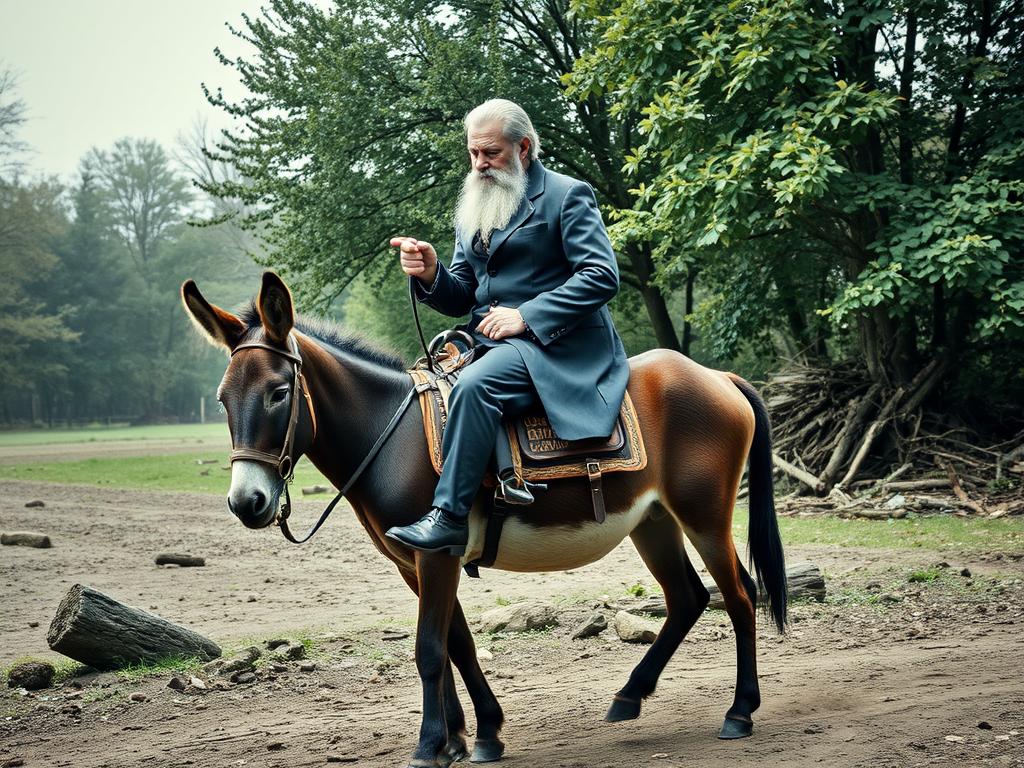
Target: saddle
{"type": "Point", "coordinates": [538, 454]}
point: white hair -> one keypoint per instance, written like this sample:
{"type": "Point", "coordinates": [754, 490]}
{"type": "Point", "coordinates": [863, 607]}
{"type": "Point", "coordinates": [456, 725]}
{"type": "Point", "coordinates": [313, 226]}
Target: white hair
{"type": "Point", "coordinates": [515, 123]}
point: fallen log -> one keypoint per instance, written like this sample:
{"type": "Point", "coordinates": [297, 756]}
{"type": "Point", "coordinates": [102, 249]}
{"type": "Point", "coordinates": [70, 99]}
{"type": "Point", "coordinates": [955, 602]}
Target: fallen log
{"type": "Point", "coordinates": [857, 415]}
{"type": "Point", "coordinates": [97, 630]}
{"type": "Point", "coordinates": [309, 490]}
{"type": "Point", "coordinates": [869, 438]}
{"type": "Point", "coordinates": [803, 476]}
{"type": "Point", "coordinates": [26, 539]}
{"type": "Point", "coordinates": [185, 561]}
{"type": "Point", "coordinates": [804, 580]}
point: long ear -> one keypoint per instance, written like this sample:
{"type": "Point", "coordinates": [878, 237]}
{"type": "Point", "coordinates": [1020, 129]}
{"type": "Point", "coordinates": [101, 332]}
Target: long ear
{"type": "Point", "coordinates": [275, 305]}
{"type": "Point", "coordinates": [220, 327]}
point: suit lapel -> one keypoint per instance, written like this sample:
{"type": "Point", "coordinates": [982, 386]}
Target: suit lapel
{"type": "Point", "coordinates": [534, 188]}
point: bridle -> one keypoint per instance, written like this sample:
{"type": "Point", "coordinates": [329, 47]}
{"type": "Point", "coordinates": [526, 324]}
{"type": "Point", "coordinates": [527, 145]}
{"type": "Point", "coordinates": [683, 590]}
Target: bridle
{"type": "Point", "coordinates": [284, 461]}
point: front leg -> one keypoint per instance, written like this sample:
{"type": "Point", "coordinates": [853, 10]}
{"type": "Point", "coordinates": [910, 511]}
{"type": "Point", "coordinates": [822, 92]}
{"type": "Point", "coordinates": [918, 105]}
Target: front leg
{"type": "Point", "coordinates": [438, 580]}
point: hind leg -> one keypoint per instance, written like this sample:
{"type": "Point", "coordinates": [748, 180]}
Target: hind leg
{"type": "Point", "coordinates": [660, 543]}
{"type": "Point", "coordinates": [740, 595]}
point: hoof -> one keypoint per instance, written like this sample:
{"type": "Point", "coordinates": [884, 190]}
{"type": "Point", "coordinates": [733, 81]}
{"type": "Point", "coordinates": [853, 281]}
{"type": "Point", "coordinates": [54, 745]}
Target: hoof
{"type": "Point", "coordinates": [487, 750]}
{"type": "Point", "coordinates": [455, 752]}
{"type": "Point", "coordinates": [623, 708]}
{"type": "Point", "coordinates": [734, 728]}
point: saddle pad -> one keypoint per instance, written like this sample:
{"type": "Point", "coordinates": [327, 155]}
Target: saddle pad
{"type": "Point", "coordinates": [537, 453]}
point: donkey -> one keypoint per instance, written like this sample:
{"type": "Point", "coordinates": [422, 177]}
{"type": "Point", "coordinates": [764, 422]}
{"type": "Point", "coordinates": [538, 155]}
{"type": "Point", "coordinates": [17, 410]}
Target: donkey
{"type": "Point", "coordinates": [699, 426]}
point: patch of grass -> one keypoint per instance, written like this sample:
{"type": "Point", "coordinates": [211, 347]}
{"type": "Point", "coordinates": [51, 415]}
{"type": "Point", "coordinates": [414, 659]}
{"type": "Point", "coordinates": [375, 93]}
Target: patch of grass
{"type": "Point", "coordinates": [637, 590]}
{"type": "Point", "coordinates": [172, 665]}
{"type": "Point", "coordinates": [938, 532]}
{"type": "Point", "coordinates": [924, 576]}
{"type": "Point", "coordinates": [173, 472]}
{"type": "Point", "coordinates": [502, 601]}
{"type": "Point", "coordinates": [186, 433]}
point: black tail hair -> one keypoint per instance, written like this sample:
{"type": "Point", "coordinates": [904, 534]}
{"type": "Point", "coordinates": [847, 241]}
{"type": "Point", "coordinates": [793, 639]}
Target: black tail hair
{"type": "Point", "coordinates": [767, 559]}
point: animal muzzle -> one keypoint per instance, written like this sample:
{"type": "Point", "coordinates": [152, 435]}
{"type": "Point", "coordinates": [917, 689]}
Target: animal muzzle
{"type": "Point", "coordinates": [253, 496]}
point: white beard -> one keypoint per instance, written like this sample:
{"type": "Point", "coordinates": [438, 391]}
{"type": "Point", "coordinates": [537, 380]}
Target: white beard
{"type": "Point", "coordinates": [489, 200]}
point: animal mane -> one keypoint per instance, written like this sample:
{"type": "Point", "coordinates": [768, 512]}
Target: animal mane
{"type": "Point", "coordinates": [331, 335]}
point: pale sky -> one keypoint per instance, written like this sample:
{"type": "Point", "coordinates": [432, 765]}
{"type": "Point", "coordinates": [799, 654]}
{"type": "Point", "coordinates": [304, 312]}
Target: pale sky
{"type": "Point", "coordinates": [93, 71]}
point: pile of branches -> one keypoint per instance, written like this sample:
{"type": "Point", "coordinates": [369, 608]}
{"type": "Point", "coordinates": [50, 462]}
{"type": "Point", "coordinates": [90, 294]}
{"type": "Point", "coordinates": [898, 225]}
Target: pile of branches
{"type": "Point", "coordinates": [848, 445]}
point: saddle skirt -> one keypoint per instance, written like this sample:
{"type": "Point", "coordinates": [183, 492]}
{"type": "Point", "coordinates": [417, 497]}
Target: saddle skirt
{"type": "Point", "coordinates": [538, 454]}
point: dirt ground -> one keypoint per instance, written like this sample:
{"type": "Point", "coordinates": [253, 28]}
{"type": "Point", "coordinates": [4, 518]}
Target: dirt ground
{"type": "Point", "coordinates": [886, 672]}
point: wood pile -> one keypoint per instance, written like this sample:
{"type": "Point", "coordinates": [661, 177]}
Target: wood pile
{"type": "Point", "coordinates": [845, 445]}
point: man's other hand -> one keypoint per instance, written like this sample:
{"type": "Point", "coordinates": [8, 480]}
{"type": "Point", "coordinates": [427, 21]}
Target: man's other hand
{"type": "Point", "coordinates": [501, 322]}
{"type": "Point", "coordinates": [418, 258]}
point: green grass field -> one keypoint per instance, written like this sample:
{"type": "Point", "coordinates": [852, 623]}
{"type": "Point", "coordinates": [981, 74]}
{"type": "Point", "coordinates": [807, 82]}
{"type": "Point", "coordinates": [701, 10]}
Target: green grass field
{"type": "Point", "coordinates": [174, 472]}
{"type": "Point", "coordinates": [184, 432]}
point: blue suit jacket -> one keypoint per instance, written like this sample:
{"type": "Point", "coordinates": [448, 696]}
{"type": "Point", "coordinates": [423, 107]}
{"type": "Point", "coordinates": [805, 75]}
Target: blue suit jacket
{"type": "Point", "coordinates": [555, 264]}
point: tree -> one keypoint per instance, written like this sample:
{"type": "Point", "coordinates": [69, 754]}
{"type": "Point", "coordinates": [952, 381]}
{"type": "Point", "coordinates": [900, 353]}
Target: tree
{"type": "Point", "coordinates": [353, 129]}
{"type": "Point", "coordinates": [12, 116]}
{"type": "Point", "coordinates": [816, 160]}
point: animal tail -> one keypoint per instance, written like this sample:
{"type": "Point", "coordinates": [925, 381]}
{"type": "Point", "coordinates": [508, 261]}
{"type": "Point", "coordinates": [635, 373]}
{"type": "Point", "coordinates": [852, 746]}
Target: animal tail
{"type": "Point", "coordinates": [767, 559]}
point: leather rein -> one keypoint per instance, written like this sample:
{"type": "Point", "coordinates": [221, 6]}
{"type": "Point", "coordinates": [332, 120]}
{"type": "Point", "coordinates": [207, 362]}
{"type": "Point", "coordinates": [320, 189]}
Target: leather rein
{"type": "Point", "coordinates": [283, 461]}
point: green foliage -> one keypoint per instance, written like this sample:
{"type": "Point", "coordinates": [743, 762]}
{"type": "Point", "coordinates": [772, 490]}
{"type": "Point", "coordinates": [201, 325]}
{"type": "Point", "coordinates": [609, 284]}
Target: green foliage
{"type": "Point", "coordinates": [827, 171]}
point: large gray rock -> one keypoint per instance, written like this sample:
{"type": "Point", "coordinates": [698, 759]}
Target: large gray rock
{"type": "Point", "coordinates": [520, 617]}
{"type": "Point", "coordinates": [635, 629]}
{"type": "Point", "coordinates": [32, 675]}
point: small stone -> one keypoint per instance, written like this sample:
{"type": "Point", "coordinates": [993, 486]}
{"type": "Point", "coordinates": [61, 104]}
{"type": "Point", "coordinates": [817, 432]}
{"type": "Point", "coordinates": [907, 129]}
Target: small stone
{"type": "Point", "coordinates": [275, 746]}
{"type": "Point", "coordinates": [138, 697]}
{"type": "Point", "coordinates": [659, 755]}
{"type": "Point", "coordinates": [482, 654]}
{"type": "Point", "coordinates": [33, 624]}
{"type": "Point", "coordinates": [942, 564]}
{"type": "Point", "coordinates": [342, 759]}
{"type": "Point", "coordinates": [394, 634]}
{"type": "Point", "coordinates": [31, 675]}
{"type": "Point", "coordinates": [290, 652]}
{"type": "Point", "coordinates": [308, 666]}
{"type": "Point", "coordinates": [252, 597]}
{"type": "Point", "coordinates": [890, 597]}
{"type": "Point", "coordinates": [1003, 737]}
{"type": "Point", "coordinates": [196, 682]}
{"type": "Point", "coordinates": [14, 762]}
{"type": "Point", "coordinates": [634, 629]}
{"type": "Point", "coordinates": [519, 617]}
{"type": "Point", "coordinates": [594, 625]}
{"type": "Point", "coordinates": [873, 586]}
{"type": "Point", "coordinates": [277, 642]}
{"type": "Point", "coordinates": [214, 667]}
{"type": "Point", "coordinates": [243, 678]}
{"type": "Point", "coordinates": [985, 726]}
{"type": "Point", "coordinates": [176, 683]}
{"type": "Point", "coordinates": [895, 502]}
{"type": "Point", "coordinates": [35, 503]}
{"type": "Point", "coordinates": [278, 667]}
{"type": "Point", "coordinates": [72, 708]}
{"type": "Point", "coordinates": [965, 572]}
{"type": "Point", "coordinates": [955, 739]}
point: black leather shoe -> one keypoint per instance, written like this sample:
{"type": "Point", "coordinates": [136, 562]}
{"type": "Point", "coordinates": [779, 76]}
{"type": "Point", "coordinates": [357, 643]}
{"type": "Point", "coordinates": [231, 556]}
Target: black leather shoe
{"type": "Point", "coordinates": [437, 531]}
{"type": "Point", "coordinates": [511, 491]}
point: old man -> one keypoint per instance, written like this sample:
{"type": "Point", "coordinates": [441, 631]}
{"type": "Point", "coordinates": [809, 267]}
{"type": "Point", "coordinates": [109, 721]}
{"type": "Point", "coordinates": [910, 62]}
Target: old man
{"type": "Point", "coordinates": [534, 267]}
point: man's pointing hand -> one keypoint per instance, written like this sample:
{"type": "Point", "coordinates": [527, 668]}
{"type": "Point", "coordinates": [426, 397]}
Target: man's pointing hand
{"type": "Point", "coordinates": [418, 258]}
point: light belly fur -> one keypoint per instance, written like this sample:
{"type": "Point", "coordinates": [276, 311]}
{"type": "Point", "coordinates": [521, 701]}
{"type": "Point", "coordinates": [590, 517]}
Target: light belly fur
{"type": "Point", "coordinates": [524, 547]}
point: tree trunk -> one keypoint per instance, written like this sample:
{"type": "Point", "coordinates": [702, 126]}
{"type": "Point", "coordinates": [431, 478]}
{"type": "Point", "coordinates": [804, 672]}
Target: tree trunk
{"type": "Point", "coordinates": [691, 277]}
{"type": "Point", "coordinates": [654, 300]}
{"type": "Point", "coordinates": [99, 631]}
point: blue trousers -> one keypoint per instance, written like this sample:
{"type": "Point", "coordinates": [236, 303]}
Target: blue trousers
{"type": "Point", "coordinates": [495, 384]}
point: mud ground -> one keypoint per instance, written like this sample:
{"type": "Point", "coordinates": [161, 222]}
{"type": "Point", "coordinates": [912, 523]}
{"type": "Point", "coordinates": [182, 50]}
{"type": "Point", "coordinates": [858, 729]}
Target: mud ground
{"type": "Point", "coordinates": [886, 672]}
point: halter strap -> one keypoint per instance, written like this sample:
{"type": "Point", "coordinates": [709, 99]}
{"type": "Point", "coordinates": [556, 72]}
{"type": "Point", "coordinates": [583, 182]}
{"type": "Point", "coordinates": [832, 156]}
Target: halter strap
{"type": "Point", "coordinates": [283, 460]}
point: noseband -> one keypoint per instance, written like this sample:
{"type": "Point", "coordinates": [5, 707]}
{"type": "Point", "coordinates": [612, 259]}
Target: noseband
{"type": "Point", "coordinates": [283, 460]}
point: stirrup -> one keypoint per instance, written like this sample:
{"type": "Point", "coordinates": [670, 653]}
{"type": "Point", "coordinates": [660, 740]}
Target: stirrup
{"type": "Point", "coordinates": [520, 493]}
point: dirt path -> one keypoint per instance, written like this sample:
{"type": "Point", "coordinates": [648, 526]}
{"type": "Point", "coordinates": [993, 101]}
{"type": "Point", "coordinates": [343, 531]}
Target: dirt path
{"type": "Point", "coordinates": [855, 682]}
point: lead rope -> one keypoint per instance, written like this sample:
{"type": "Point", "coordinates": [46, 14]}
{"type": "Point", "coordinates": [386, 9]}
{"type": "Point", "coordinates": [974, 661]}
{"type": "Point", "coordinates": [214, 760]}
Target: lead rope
{"type": "Point", "coordinates": [419, 328]}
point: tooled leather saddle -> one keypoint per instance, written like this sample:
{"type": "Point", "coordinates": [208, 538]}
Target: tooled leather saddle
{"type": "Point", "coordinates": [538, 454]}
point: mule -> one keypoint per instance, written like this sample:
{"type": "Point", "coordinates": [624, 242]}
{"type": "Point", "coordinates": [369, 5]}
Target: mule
{"type": "Point", "coordinates": [699, 426]}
